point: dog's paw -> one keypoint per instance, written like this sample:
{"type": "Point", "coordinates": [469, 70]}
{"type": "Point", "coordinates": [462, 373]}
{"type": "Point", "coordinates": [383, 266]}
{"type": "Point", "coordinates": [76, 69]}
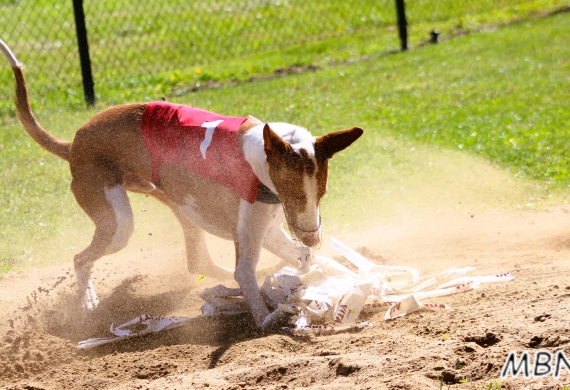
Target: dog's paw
{"type": "Point", "coordinates": [274, 319]}
{"type": "Point", "coordinates": [210, 270]}
{"type": "Point", "coordinates": [90, 300]}
{"type": "Point", "coordinates": [90, 305]}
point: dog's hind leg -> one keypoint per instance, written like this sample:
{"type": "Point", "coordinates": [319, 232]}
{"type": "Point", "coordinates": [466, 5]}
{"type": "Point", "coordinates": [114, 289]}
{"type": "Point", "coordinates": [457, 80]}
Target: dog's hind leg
{"type": "Point", "coordinates": [108, 207]}
{"type": "Point", "coordinates": [197, 254]}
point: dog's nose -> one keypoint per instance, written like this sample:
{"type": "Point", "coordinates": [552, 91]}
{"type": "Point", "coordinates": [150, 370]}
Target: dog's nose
{"type": "Point", "coordinates": [311, 239]}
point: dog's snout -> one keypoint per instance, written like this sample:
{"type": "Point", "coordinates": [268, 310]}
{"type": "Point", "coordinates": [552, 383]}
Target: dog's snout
{"type": "Point", "coordinates": [311, 240]}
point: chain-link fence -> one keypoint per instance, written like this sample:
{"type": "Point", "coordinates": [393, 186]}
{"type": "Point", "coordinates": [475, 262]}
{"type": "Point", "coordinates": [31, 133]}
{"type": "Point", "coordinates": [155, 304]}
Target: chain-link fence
{"type": "Point", "coordinates": [132, 37]}
{"type": "Point", "coordinates": [129, 37]}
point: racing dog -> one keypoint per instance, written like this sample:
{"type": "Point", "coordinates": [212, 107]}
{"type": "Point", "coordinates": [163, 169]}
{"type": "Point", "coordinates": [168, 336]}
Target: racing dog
{"type": "Point", "coordinates": [235, 177]}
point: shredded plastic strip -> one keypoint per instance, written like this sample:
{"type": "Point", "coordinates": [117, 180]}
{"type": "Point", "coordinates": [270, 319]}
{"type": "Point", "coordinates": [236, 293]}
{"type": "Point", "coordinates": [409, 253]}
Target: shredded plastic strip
{"type": "Point", "coordinates": [323, 292]}
{"type": "Point", "coordinates": [153, 325]}
{"type": "Point", "coordinates": [501, 277]}
{"type": "Point", "coordinates": [324, 329]}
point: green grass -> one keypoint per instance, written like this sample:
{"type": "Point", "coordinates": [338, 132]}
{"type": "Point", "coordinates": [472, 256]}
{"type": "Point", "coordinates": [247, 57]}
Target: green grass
{"type": "Point", "coordinates": [433, 117]}
{"type": "Point", "coordinates": [136, 55]}
{"type": "Point", "coordinates": [503, 95]}
{"type": "Point", "coordinates": [494, 386]}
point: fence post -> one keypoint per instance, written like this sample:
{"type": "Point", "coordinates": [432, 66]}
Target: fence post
{"type": "Point", "coordinates": [402, 24]}
{"type": "Point", "coordinates": [83, 45]}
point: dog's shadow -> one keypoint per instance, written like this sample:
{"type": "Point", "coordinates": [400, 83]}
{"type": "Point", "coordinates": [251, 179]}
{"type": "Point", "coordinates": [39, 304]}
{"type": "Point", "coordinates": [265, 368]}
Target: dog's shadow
{"type": "Point", "coordinates": [67, 320]}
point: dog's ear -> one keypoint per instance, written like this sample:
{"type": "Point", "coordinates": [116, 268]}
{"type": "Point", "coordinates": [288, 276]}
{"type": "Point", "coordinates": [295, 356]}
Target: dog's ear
{"type": "Point", "coordinates": [273, 144]}
{"type": "Point", "coordinates": [329, 144]}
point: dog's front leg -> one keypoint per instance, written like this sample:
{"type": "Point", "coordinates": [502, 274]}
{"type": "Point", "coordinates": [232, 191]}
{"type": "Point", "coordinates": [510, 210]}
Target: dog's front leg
{"type": "Point", "coordinates": [279, 244]}
{"type": "Point", "coordinates": [253, 221]}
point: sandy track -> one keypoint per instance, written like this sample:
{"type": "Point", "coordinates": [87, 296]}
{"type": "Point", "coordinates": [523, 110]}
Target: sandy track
{"type": "Point", "coordinates": [471, 341]}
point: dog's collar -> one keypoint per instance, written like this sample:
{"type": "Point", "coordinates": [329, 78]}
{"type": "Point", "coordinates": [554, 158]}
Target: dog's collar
{"type": "Point", "coordinates": [265, 195]}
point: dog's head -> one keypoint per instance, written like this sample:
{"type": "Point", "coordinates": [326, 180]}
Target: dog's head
{"type": "Point", "coordinates": [298, 168]}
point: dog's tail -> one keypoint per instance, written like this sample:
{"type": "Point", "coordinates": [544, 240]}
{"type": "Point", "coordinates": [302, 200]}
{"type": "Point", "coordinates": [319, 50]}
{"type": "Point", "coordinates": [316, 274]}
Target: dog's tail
{"type": "Point", "coordinates": [43, 138]}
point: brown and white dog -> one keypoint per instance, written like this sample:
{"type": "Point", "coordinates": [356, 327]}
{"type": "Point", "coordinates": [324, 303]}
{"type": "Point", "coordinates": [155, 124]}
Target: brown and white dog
{"type": "Point", "coordinates": [109, 156]}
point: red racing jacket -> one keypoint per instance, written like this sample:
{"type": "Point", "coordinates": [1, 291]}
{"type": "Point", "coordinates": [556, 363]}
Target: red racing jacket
{"type": "Point", "coordinates": [201, 141]}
